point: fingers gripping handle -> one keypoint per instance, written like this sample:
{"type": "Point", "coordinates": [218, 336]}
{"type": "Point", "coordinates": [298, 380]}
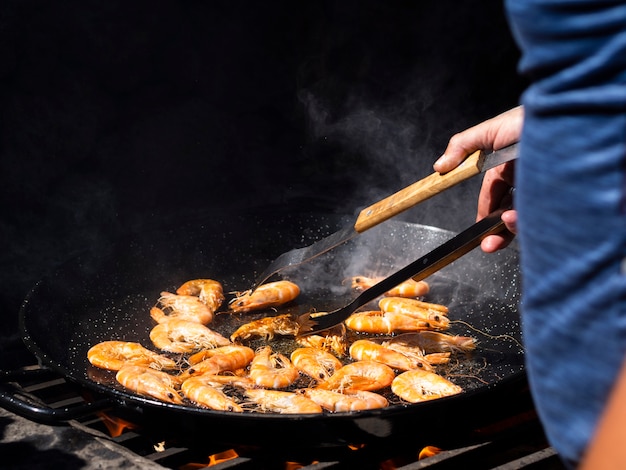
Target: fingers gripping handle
{"type": "Point", "coordinates": [418, 192]}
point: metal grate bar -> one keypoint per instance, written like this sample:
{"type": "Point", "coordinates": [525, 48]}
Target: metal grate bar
{"type": "Point", "coordinates": [518, 444]}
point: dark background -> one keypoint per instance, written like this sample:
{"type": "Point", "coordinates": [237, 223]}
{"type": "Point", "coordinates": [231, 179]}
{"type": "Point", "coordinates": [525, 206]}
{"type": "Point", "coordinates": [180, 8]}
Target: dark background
{"type": "Point", "coordinates": [118, 117]}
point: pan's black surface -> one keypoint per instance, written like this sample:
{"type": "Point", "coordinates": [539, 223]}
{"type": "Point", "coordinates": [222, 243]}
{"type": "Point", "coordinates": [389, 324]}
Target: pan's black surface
{"type": "Point", "coordinates": [107, 295]}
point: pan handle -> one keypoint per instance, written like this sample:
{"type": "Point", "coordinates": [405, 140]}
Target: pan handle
{"type": "Point", "coordinates": [15, 399]}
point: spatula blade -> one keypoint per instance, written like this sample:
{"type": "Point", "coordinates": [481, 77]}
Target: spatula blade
{"type": "Point", "coordinates": [307, 253]}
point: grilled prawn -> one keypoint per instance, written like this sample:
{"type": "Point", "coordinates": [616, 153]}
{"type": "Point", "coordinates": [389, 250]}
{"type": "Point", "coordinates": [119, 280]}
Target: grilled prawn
{"type": "Point", "coordinates": [336, 401]}
{"type": "Point", "coordinates": [283, 402]}
{"type": "Point", "coordinates": [420, 385]}
{"type": "Point", "coordinates": [208, 291]}
{"type": "Point", "coordinates": [359, 375]}
{"type": "Point", "coordinates": [272, 294]}
{"type": "Point", "coordinates": [432, 342]}
{"type": "Point", "coordinates": [364, 349]}
{"type": "Point", "coordinates": [333, 340]}
{"type": "Point", "coordinates": [201, 390]}
{"type": "Point", "coordinates": [378, 322]}
{"type": "Point", "coordinates": [435, 314]}
{"type": "Point", "coordinates": [267, 327]}
{"type": "Point", "coordinates": [409, 288]}
{"type": "Point", "coordinates": [183, 336]}
{"type": "Point", "coordinates": [150, 382]}
{"type": "Point", "coordinates": [272, 370]}
{"type": "Point", "coordinates": [181, 307]}
{"type": "Point", "coordinates": [316, 363]}
{"type": "Point", "coordinates": [114, 355]}
{"type": "Point", "coordinates": [224, 358]}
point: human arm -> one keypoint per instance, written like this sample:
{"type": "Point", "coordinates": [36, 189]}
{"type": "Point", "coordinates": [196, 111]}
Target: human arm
{"type": "Point", "coordinates": [606, 450]}
{"type": "Point", "coordinates": [492, 134]}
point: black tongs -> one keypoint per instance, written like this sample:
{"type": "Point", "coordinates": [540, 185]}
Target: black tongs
{"type": "Point", "coordinates": [419, 269]}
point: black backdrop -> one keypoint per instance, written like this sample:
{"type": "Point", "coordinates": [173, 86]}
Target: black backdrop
{"type": "Point", "coordinates": [116, 117]}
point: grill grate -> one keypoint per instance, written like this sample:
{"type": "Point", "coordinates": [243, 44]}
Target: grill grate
{"type": "Point", "coordinates": [516, 443]}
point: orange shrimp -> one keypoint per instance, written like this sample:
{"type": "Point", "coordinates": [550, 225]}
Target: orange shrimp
{"type": "Point", "coordinates": [333, 339]}
{"type": "Point", "coordinates": [336, 401]}
{"type": "Point", "coordinates": [272, 294]}
{"type": "Point", "coordinates": [316, 363]}
{"type": "Point", "coordinates": [432, 358]}
{"type": "Point", "coordinates": [219, 381]}
{"type": "Point", "coordinates": [201, 391]}
{"type": "Point", "coordinates": [385, 322]}
{"type": "Point", "coordinates": [436, 358]}
{"type": "Point", "coordinates": [364, 349]}
{"type": "Point", "coordinates": [283, 402]}
{"type": "Point", "coordinates": [113, 355]}
{"type": "Point", "coordinates": [408, 288]}
{"type": "Point", "coordinates": [272, 370]}
{"type": "Point", "coordinates": [150, 382]}
{"type": "Point", "coordinates": [225, 358]}
{"type": "Point", "coordinates": [267, 327]}
{"type": "Point", "coordinates": [359, 375]}
{"type": "Point", "coordinates": [209, 292]}
{"type": "Point", "coordinates": [431, 342]}
{"type": "Point", "coordinates": [435, 314]}
{"type": "Point", "coordinates": [181, 307]}
{"type": "Point", "coordinates": [183, 336]}
{"type": "Point", "coordinates": [420, 385]}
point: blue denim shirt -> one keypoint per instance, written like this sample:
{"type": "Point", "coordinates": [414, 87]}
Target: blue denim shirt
{"type": "Point", "coordinates": [571, 202]}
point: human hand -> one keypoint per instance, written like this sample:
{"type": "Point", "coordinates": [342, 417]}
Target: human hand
{"type": "Point", "coordinates": [492, 134]}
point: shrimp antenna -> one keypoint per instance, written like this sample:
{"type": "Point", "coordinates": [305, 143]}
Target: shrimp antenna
{"type": "Point", "coordinates": [498, 337]}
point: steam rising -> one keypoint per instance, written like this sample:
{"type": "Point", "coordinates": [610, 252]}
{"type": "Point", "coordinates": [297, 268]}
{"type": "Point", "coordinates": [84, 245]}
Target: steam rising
{"type": "Point", "coordinates": [378, 252]}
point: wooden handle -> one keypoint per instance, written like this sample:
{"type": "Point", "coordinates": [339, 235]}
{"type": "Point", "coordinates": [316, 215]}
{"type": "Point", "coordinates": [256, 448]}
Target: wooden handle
{"type": "Point", "coordinates": [418, 192]}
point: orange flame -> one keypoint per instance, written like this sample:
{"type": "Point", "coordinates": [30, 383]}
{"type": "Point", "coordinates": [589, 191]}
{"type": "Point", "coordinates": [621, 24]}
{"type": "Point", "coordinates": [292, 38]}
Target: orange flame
{"type": "Point", "coordinates": [356, 447]}
{"type": "Point", "coordinates": [115, 425]}
{"type": "Point", "coordinates": [220, 457]}
{"type": "Point", "coordinates": [428, 451]}
{"type": "Point", "coordinates": [213, 460]}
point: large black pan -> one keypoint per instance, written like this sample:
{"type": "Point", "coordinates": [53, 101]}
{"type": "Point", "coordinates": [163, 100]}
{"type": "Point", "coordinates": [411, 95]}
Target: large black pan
{"type": "Point", "coordinates": [106, 294]}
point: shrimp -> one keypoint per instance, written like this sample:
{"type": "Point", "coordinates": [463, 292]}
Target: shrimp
{"type": "Point", "coordinates": [283, 402]}
{"type": "Point", "coordinates": [420, 385]}
{"type": "Point", "coordinates": [364, 349]}
{"type": "Point", "coordinates": [267, 327]}
{"type": "Point", "coordinates": [385, 322]}
{"type": "Point", "coordinates": [272, 370]}
{"type": "Point", "coordinates": [431, 342]}
{"type": "Point", "coordinates": [316, 363]}
{"type": "Point", "coordinates": [408, 288]}
{"type": "Point", "coordinates": [437, 358]}
{"type": "Point", "coordinates": [150, 382]}
{"type": "Point", "coordinates": [336, 401]}
{"type": "Point", "coordinates": [201, 391]}
{"type": "Point", "coordinates": [333, 339]}
{"type": "Point", "coordinates": [359, 375]}
{"type": "Point", "coordinates": [433, 358]}
{"type": "Point", "coordinates": [181, 307]}
{"type": "Point", "coordinates": [220, 381]}
{"type": "Point", "coordinates": [113, 355]}
{"type": "Point", "coordinates": [435, 314]}
{"type": "Point", "coordinates": [272, 294]}
{"type": "Point", "coordinates": [209, 292]}
{"type": "Point", "coordinates": [220, 359]}
{"type": "Point", "coordinates": [183, 336]}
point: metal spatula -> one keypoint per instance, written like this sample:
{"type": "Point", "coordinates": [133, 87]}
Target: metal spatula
{"type": "Point", "coordinates": [373, 215]}
{"type": "Point", "coordinates": [419, 269]}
